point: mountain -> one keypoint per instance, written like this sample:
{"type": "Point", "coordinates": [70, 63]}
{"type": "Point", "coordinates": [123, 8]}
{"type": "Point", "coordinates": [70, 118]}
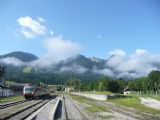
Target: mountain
{"type": "Point", "coordinates": [83, 61]}
{"type": "Point", "coordinates": [80, 60]}
{"type": "Point", "coordinates": [97, 60]}
{"type": "Point", "coordinates": [23, 56]}
{"type": "Point", "coordinates": [79, 67]}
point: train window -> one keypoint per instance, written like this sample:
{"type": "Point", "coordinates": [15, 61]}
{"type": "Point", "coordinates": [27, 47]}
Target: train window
{"type": "Point", "coordinates": [29, 89]}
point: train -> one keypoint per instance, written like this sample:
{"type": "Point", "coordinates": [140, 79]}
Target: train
{"type": "Point", "coordinates": [32, 92]}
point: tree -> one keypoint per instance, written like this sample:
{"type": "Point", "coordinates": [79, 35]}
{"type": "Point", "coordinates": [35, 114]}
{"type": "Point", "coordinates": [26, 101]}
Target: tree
{"type": "Point", "coordinates": [114, 86]}
{"type": "Point", "coordinates": [154, 80]}
{"type": "Point", "coordinates": [2, 70]}
{"type": "Point", "coordinates": [74, 82]}
{"type": "Point", "coordinates": [122, 84]}
{"type": "Point", "coordinates": [59, 88]}
{"type": "Point", "coordinates": [103, 84]}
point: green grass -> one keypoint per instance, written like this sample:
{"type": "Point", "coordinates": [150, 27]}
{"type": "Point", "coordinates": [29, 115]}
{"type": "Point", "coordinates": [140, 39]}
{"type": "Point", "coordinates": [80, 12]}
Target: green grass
{"type": "Point", "coordinates": [92, 108]}
{"type": "Point", "coordinates": [105, 117]}
{"type": "Point", "coordinates": [133, 101]}
{"type": "Point", "coordinates": [10, 99]}
{"type": "Point", "coordinates": [8, 82]}
{"type": "Point", "coordinates": [27, 70]}
{"type": "Point", "coordinates": [99, 92]}
{"type": "Point", "coordinates": [157, 97]}
{"type": "Point", "coordinates": [154, 96]}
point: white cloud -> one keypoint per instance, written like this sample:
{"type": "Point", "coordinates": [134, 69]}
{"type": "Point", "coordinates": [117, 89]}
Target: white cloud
{"type": "Point", "coordinates": [114, 61]}
{"type": "Point", "coordinates": [141, 52]}
{"type": "Point", "coordinates": [117, 52]}
{"type": "Point", "coordinates": [138, 64]}
{"type": "Point", "coordinates": [44, 62]}
{"type": "Point", "coordinates": [105, 71]}
{"type": "Point", "coordinates": [30, 27]}
{"type": "Point", "coordinates": [129, 75]}
{"type": "Point", "coordinates": [135, 65]}
{"type": "Point", "coordinates": [40, 19]}
{"type": "Point", "coordinates": [59, 48]}
{"type": "Point", "coordinates": [74, 68]}
{"type": "Point", "coordinates": [12, 61]}
{"type": "Point", "coordinates": [27, 34]}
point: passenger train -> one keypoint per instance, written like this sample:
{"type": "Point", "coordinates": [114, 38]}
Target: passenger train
{"type": "Point", "coordinates": [32, 92]}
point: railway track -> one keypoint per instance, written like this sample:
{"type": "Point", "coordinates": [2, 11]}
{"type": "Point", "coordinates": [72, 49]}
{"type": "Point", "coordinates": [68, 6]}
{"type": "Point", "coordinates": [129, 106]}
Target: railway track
{"type": "Point", "coordinates": [83, 117]}
{"type": "Point", "coordinates": [24, 113]}
{"type": "Point", "coordinates": [12, 104]}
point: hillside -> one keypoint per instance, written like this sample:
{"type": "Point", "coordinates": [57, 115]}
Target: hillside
{"type": "Point", "coordinates": [79, 67]}
{"type": "Point", "coordinates": [23, 56]}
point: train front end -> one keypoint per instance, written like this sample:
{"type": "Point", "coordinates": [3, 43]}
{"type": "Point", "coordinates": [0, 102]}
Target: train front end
{"type": "Point", "coordinates": [29, 92]}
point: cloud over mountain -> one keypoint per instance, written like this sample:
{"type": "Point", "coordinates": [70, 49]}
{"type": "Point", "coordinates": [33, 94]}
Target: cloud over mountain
{"type": "Point", "coordinates": [135, 65]}
{"type": "Point", "coordinates": [59, 48]}
{"type": "Point", "coordinates": [62, 57]}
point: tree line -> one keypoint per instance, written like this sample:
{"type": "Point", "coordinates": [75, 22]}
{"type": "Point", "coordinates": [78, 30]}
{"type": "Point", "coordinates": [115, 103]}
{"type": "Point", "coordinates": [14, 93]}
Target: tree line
{"type": "Point", "coordinates": [102, 84]}
{"type": "Point", "coordinates": [151, 83]}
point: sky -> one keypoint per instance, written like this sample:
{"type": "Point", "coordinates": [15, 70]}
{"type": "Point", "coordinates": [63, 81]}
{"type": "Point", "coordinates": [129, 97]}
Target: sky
{"type": "Point", "coordinates": [64, 28]}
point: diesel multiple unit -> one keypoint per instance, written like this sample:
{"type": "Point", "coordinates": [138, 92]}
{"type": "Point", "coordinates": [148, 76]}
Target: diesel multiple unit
{"type": "Point", "coordinates": [31, 92]}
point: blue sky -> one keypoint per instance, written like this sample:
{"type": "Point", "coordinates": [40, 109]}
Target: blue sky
{"type": "Point", "coordinates": [97, 26]}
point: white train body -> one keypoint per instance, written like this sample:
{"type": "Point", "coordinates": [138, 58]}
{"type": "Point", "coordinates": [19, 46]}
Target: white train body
{"type": "Point", "coordinates": [30, 92]}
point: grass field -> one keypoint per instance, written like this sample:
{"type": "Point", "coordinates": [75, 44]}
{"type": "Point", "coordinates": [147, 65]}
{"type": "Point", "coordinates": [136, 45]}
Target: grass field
{"type": "Point", "coordinates": [133, 101]}
{"type": "Point", "coordinates": [10, 99]}
{"type": "Point", "coordinates": [157, 97]}
{"type": "Point", "coordinates": [27, 70]}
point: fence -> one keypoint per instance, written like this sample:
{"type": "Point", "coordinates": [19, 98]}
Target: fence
{"type": "Point", "coordinates": [145, 92]}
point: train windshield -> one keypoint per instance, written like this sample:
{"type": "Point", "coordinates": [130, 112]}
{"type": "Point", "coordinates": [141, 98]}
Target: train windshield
{"type": "Point", "coordinates": [29, 89]}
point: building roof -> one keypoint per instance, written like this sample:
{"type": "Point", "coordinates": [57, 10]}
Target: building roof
{"type": "Point", "coordinates": [126, 89]}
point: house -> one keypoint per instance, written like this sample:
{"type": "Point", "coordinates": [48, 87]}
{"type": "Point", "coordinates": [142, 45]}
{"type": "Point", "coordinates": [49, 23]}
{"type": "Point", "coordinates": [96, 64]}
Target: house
{"type": "Point", "coordinates": [126, 90]}
{"type": "Point", "coordinates": [5, 91]}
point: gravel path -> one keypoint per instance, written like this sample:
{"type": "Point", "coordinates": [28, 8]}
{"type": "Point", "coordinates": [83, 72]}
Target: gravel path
{"type": "Point", "coordinates": [112, 114]}
{"type": "Point", "coordinates": [115, 112]}
{"type": "Point", "coordinates": [149, 102]}
{"type": "Point", "coordinates": [119, 113]}
{"type": "Point", "coordinates": [72, 112]}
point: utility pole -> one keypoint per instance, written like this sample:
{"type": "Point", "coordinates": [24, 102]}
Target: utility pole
{"type": "Point", "coordinates": [73, 80]}
{"type": "Point", "coordinates": [74, 84]}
